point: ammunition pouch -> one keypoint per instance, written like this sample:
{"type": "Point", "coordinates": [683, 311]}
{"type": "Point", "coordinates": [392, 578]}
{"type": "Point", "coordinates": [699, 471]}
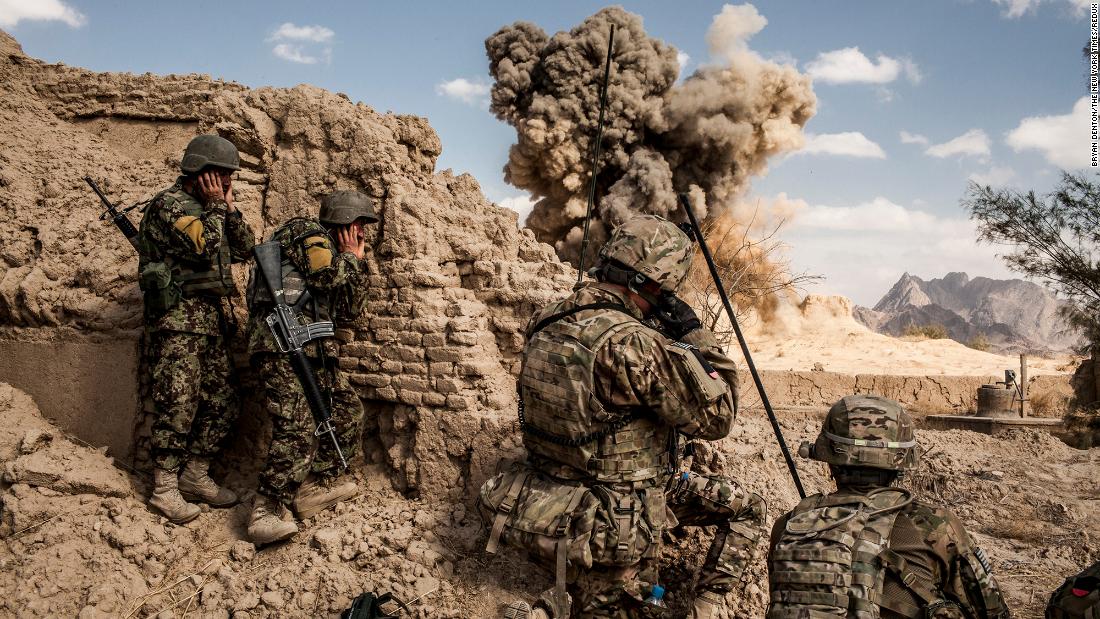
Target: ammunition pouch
{"type": "Point", "coordinates": [161, 290]}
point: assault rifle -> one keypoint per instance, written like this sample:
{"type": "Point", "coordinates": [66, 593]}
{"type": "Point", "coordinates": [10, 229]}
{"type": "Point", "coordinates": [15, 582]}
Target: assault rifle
{"type": "Point", "coordinates": [117, 215]}
{"type": "Point", "coordinates": [291, 336]}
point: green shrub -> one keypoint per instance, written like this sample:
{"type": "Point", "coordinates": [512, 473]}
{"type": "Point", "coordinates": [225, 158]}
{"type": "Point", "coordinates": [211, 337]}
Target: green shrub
{"type": "Point", "coordinates": [979, 342]}
{"type": "Point", "coordinates": [931, 332]}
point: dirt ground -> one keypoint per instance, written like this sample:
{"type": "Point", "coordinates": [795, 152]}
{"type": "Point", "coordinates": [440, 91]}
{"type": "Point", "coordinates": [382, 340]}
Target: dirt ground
{"type": "Point", "coordinates": [79, 541]}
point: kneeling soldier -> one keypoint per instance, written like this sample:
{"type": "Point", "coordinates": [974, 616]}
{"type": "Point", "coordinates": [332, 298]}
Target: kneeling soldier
{"type": "Point", "coordinates": [604, 397]}
{"type": "Point", "coordinates": [322, 257]}
{"type": "Point", "coordinates": [869, 549]}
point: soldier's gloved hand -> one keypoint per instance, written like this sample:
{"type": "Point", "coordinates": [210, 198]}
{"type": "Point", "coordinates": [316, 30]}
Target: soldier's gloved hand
{"type": "Point", "coordinates": [676, 317]}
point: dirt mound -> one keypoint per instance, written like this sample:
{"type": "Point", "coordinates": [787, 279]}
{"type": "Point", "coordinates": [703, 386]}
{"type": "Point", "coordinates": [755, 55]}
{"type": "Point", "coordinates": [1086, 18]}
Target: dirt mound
{"type": "Point", "coordinates": [820, 331]}
{"type": "Point", "coordinates": [95, 550]}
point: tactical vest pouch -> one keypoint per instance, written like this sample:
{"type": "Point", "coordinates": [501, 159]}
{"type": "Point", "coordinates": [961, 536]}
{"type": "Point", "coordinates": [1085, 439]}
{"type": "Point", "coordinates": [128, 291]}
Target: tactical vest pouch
{"type": "Point", "coordinates": [1078, 597]}
{"type": "Point", "coordinates": [530, 511]}
{"type": "Point", "coordinates": [710, 388]}
{"type": "Point", "coordinates": [628, 525]}
{"type": "Point", "coordinates": [160, 289]}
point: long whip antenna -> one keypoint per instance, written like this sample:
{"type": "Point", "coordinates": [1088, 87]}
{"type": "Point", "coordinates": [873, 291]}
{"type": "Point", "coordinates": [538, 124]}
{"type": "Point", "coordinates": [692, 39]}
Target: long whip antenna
{"type": "Point", "coordinates": [596, 152]}
{"type": "Point", "coordinates": [686, 203]}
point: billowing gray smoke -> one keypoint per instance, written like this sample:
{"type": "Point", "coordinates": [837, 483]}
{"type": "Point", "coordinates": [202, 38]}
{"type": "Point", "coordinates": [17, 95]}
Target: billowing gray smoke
{"type": "Point", "coordinates": [707, 135]}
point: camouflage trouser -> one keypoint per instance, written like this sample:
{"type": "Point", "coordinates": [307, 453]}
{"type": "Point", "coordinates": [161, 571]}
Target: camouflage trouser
{"type": "Point", "coordinates": [295, 451]}
{"type": "Point", "coordinates": [195, 402]}
{"type": "Point", "coordinates": [695, 500]}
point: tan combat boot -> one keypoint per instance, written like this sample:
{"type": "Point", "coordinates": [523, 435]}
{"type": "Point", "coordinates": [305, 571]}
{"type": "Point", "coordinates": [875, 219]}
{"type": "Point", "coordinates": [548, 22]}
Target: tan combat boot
{"type": "Point", "coordinates": [265, 526]}
{"type": "Point", "coordinates": [314, 497]}
{"type": "Point", "coordinates": [522, 610]}
{"type": "Point", "coordinates": [196, 485]}
{"type": "Point", "coordinates": [167, 499]}
{"type": "Point", "coordinates": [709, 605]}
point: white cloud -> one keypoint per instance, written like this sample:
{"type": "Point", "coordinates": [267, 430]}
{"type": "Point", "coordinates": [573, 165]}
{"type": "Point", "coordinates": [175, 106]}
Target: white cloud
{"type": "Point", "coordinates": [682, 59]}
{"type": "Point", "coordinates": [302, 44]}
{"type": "Point", "coordinates": [850, 144]}
{"type": "Point", "coordinates": [522, 204]}
{"type": "Point", "coordinates": [913, 138]}
{"type": "Point", "coordinates": [292, 32]}
{"type": "Point", "coordinates": [851, 66]}
{"type": "Point", "coordinates": [862, 249]}
{"type": "Point", "coordinates": [293, 53]}
{"type": "Point", "coordinates": [14, 11]}
{"type": "Point", "coordinates": [1063, 140]}
{"type": "Point", "coordinates": [996, 175]}
{"type": "Point", "coordinates": [471, 92]}
{"type": "Point", "coordinates": [974, 142]}
{"type": "Point", "coordinates": [1014, 9]}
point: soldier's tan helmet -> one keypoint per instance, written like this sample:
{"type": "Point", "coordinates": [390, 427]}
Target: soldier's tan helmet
{"type": "Point", "coordinates": [866, 430]}
{"type": "Point", "coordinates": [342, 207]}
{"type": "Point", "coordinates": [209, 150]}
{"type": "Point", "coordinates": [654, 247]}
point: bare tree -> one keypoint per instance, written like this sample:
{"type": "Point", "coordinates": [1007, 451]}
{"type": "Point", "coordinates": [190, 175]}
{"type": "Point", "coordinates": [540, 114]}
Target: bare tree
{"type": "Point", "coordinates": [754, 272]}
{"type": "Point", "coordinates": [1055, 239]}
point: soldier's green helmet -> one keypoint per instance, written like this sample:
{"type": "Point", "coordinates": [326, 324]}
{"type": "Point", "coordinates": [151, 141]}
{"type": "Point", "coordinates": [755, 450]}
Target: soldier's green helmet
{"type": "Point", "coordinates": [209, 150]}
{"type": "Point", "coordinates": [866, 431]}
{"type": "Point", "coordinates": [342, 207]}
{"type": "Point", "coordinates": [654, 247]}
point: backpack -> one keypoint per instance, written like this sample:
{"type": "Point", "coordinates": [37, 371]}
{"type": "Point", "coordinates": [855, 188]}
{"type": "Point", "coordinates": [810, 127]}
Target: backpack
{"type": "Point", "coordinates": [827, 560]}
{"type": "Point", "coordinates": [1078, 597]}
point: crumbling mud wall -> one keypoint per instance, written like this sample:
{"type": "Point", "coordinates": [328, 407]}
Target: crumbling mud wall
{"type": "Point", "coordinates": [921, 395]}
{"type": "Point", "coordinates": [452, 280]}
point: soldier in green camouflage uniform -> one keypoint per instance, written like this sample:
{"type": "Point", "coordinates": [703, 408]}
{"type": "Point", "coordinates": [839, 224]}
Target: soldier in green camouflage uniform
{"type": "Point", "coordinates": [1078, 597]}
{"type": "Point", "coordinates": [604, 398]}
{"type": "Point", "coordinates": [324, 258]}
{"type": "Point", "coordinates": [868, 549]}
{"type": "Point", "coordinates": [190, 234]}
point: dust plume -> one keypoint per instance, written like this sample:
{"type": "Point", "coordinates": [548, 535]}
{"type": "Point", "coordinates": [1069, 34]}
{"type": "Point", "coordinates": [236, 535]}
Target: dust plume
{"type": "Point", "coordinates": [708, 134]}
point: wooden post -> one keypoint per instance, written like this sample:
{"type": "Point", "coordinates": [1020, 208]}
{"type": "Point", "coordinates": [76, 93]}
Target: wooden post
{"type": "Point", "coordinates": [1023, 385]}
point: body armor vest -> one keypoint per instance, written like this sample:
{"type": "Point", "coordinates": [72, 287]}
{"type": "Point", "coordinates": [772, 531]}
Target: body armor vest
{"type": "Point", "coordinates": [832, 557]}
{"type": "Point", "coordinates": [215, 280]}
{"type": "Point", "coordinates": [564, 422]}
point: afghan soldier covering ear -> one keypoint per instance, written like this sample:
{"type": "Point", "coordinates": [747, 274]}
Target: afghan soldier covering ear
{"type": "Point", "coordinates": [189, 236]}
{"type": "Point", "coordinates": [604, 398]}
{"type": "Point", "coordinates": [1078, 597]}
{"type": "Point", "coordinates": [323, 274]}
{"type": "Point", "coordinates": [869, 550]}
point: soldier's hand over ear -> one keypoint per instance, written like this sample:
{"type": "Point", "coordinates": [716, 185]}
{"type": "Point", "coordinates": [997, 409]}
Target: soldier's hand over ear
{"type": "Point", "coordinates": [350, 241]}
{"type": "Point", "coordinates": [676, 316]}
{"type": "Point", "coordinates": [210, 186]}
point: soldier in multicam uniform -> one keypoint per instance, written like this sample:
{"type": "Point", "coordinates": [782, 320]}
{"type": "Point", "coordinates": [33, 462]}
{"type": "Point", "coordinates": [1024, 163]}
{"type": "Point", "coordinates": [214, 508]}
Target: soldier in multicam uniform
{"type": "Point", "coordinates": [604, 397]}
{"type": "Point", "coordinates": [869, 550]}
{"type": "Point", "coordinates": [190, 234]}
{"type": "Point", "coordinates": [324, 258]}
{"type": "Point", "coordinates": [1078, 597]}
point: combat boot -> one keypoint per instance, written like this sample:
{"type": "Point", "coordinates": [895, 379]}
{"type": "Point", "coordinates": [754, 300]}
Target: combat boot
{"type": "Point", "coordinates": [709, 605]}
{"type": "Point", "coordinates": [314, 497]}
{"type": "Point", "coordinates": [196, 485]}
{"type": "Point", "coordinates": [167, 499]}
{"type": "Point", "coordinates": [522, 610]}
{"type": "Point", "coordinates": [265, 526]}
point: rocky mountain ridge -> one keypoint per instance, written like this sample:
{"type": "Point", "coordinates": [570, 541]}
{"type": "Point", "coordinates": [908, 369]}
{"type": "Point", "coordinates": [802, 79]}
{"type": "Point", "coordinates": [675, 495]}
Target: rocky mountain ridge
{"type": "Point", "coordinates": [1011, 315]}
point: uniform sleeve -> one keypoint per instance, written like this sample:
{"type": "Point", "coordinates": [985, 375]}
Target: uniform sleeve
{"type": "Point", "coordinates": [339, 274]}
{"type": "Point", "coordinates": [241, 237]}
{"type": "Point", "coordinates": [970, 583]}
{"type": "Point", "coordinates": [704, 340]}
{"type": "Point", "coordinates": [192, 238]}
{"type": "Point", "coordinates": [642, 370]}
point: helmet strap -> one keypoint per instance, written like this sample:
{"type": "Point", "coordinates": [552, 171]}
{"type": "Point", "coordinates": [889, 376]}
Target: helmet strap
{"type": "Point", "coordinates": [613, 272]}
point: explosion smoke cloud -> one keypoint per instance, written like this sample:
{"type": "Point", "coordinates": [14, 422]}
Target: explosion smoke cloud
{"type": "Point", "coordinates": [707, 135]}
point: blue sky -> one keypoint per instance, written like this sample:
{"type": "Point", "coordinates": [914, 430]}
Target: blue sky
{"type": "Point", "coordinates": [983, 89]}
